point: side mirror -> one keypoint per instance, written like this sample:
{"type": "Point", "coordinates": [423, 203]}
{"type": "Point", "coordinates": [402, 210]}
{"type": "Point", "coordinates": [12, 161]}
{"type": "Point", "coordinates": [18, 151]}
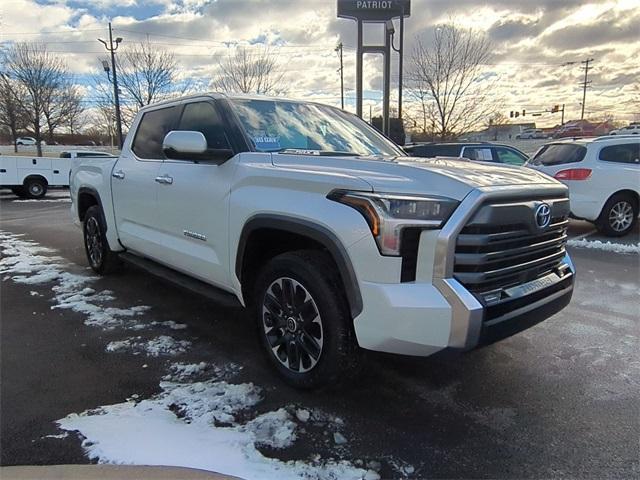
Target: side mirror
{"type": "Point", "coordinates": [192, 146]}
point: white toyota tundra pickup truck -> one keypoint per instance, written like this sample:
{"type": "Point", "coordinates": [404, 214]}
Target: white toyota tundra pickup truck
{"type": "Point", "coordinates": [332, 237]}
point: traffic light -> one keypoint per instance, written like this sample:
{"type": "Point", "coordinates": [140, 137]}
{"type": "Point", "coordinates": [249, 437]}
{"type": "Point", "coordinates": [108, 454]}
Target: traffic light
{"type": "Point", "coordinates": [511, 114]}
{"type": "Point", "coordinates": [555, 109]}
{"type": "Point", "coordinates": [523, 112]}
{"type": "Point", "coordinates": [517, 114]}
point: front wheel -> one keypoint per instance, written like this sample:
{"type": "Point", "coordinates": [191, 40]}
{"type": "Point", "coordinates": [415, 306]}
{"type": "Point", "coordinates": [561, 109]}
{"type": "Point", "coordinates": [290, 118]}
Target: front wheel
{"type": "Point", "coordinates": [619, 215]}
{"type": "Point", "coordinates": [101, 258]}
{"type": "Point", "coordinates": [303, 320]}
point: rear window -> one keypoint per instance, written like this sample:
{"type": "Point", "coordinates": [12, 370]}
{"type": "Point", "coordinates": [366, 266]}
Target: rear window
{"type": "Point", "coordinates": [626, 153]}
{"type": "Point", "coordinates": [431, 151]}
{"type": "Point", "coordinates": [559, 153]}
{"type": "Point", "coordinates": [151, 132]}
{"type": "Point", "coordinates": [65, 155]}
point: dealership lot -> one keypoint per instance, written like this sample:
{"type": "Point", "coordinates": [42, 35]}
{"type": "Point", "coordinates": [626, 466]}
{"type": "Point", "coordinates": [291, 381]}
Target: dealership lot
{"type": "Point", "coordinates": [559, 400]}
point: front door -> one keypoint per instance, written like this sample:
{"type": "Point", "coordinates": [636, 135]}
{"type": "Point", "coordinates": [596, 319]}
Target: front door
{"type": "Point", "coordinates": [134, 183]}
{"type": "Point", "coordinates": [193, 202]}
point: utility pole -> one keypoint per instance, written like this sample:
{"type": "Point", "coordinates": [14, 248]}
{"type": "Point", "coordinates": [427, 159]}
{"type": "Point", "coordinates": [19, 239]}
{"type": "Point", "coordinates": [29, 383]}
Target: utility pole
{"type": "Point", "coordinates": [110, 48]}
{"type": "Point", "coordinates": [562, 120]}
{"type": "Point", "coordinates": [585, 83]}
{"type": "Point", "coordinates": [339, 50]}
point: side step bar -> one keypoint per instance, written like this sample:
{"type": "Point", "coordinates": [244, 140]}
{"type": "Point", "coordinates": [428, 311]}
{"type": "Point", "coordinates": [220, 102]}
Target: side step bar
{"type": "Point", "coordinates": [181, 280]}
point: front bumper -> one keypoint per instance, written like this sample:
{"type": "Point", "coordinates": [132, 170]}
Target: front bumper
{"type": "Point", "coordinates": [421, 319]}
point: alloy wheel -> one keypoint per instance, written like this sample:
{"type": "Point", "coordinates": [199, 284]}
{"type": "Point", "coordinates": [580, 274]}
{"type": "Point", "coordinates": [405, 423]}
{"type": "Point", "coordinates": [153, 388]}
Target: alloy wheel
{"type": "Point", "coordinates": [93, 239]}
{"type": "Point", "coordinates": [621, 216]}
{"type": "Point", "coordinates": [292, 325]}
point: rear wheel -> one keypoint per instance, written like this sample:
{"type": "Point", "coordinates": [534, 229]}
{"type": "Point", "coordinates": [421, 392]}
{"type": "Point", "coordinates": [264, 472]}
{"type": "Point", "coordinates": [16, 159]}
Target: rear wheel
{"type": "Point", "coordinates": [101, 258]}
{"type": "Point", "coordinates": [619, 215]}
{"type": "Point", "coordinates": [303, 320]}
{"type": "Point", "coordinates": [35, 188]}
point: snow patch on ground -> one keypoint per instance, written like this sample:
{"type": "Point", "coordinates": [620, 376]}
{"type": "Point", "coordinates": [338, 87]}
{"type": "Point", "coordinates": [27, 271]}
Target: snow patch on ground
{"type": "Point", "coordinates": [190, 371]}
{"type": "Point", "coordinates": [605, 246]}
{"type": "Point", "coordinates": [194, 425]}
{"type": "Point", "coordinates": [29, 263]}
{"type": "Point", "coordinates": [43, 200]}
{"type": "Point", "coordinates": [163, 345]}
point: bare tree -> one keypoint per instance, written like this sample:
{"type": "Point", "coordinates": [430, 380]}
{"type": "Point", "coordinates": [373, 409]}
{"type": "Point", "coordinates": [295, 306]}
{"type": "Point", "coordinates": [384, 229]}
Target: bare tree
{"type": "Point", "coordinates": [40, 73]}
{"type": "Point", "coordinates": [147, 74]}
{"type": "Point", "coordinates": [447, 73]}
{"type": "Point", "coordinates": [11, 115]}
{"type": "Point", "coordinates": [62, 107]}
{"type": "Point", "coordinates": [249, 71]}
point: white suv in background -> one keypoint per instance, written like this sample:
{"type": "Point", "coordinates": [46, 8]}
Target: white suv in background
{"type": "Point", "coordinates": [603, 176]}
{"type": "Point", "coordinates": [632, 129]}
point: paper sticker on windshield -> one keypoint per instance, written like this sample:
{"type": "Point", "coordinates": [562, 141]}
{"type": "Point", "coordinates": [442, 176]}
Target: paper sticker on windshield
{"type": "Point", "coordinates": [265, 142]}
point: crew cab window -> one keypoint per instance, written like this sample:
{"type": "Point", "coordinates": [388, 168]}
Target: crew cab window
{"type": "Point", "coordinates": [480, 154]}
{"type": "Point", "coordinates": [65, 155]}
{"type": "Point", "coordinates": [559, 153]}
{"type": "Point", "coordinates": [508, 156]}
{"type": "Point", "coordinates": [203, 117]}
{"type": "Point", "coordinates": [153, 127]}
{"type": "Point", "coordinates": [626, 153]}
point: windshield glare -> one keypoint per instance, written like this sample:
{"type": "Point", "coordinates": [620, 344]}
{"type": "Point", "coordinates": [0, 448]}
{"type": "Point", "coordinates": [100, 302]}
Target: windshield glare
{"type": "Point", "coordinates": [275, 125]}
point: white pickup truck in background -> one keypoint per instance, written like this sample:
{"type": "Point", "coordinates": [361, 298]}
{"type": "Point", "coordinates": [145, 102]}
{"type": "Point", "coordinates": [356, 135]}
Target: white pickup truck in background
{"type": "Point", "coordinates": [30, 177]}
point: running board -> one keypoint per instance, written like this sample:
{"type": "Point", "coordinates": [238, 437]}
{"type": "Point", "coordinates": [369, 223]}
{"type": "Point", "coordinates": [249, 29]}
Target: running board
{"type": "Point", "coordinates": [181, 280]}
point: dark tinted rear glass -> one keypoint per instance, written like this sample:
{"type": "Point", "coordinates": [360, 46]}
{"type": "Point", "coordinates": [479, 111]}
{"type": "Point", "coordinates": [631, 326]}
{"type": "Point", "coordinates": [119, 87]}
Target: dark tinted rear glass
{"type": "Point", "coordinates": [65, 155]}
{"type": "Point", "coordinates": [151, 132]}
{"type": "Point", "coordinates": [626, 153]}
{"type": "Point", "coordinates": [431, 151]}
{"type": "Point", "coordinates": [559, 153]}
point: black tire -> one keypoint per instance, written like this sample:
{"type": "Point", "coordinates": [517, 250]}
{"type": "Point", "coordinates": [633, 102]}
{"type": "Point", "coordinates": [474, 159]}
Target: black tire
{"type": "Point", "coordinates": [321, 344]}
{"type": "Point", "coordinates": [18, 192]}
{"type": "Point", "coordinates": [619, 215]}
{"type": "Point", "coordinates": [101, 258]}
{"type": "Point", "coordinates": [35, 188]}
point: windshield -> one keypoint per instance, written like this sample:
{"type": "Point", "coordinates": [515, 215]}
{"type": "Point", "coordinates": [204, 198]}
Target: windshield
{"type": "Point", "coordinates": [278, 125]}
{"type": "Point", "coordinates": [559, 153]}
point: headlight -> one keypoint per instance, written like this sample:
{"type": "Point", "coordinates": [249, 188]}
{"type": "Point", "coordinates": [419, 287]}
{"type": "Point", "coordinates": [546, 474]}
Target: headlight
{"type": "Point", "coordinates": [388, 214]}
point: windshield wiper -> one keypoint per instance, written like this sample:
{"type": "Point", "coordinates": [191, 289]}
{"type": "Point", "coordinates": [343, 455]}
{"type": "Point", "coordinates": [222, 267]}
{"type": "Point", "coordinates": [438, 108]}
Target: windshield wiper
{"type": "Point", "coordinates": [320, 153]}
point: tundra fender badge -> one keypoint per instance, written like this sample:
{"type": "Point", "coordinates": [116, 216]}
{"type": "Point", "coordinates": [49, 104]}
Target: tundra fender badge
{"type": "Point", "coordinates": [542, 216]}
{"type": "Point", "coordinates": [197, 236]}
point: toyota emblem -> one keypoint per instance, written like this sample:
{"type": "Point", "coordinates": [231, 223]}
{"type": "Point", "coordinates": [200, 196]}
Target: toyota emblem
{"type": "Point", "coordinates": [543, 215]}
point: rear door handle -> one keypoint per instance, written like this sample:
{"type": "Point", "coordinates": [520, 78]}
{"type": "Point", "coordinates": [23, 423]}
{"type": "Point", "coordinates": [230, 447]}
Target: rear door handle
{"type": "Point", "coordinates": [164, 179]}
{"type": "Point", "coordinates": [119, 174]}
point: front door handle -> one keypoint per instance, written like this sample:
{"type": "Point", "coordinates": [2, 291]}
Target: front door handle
{"type": "Point", "coordinates": [164, 179]}
{"type": "Point", "coordinates": [119, 174]}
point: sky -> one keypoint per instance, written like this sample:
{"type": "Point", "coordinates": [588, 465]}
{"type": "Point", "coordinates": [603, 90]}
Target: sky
{"type": "Point", "coordinates": [537, 45]}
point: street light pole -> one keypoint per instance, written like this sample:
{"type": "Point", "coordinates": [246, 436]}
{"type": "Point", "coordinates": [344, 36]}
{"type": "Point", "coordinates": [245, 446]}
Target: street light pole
{"type": "Point", "coordinates": [110, 48]}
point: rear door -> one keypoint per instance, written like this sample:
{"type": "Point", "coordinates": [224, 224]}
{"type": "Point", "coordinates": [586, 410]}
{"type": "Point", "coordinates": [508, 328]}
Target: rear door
{"type": "Point", "coordinates": [134, 185]}
{"type": "Point", "coordinates": [193, 201]}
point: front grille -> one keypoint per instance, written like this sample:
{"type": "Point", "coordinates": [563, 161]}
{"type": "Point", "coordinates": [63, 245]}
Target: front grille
{"type": "Point", "coordinates": [501, 247]}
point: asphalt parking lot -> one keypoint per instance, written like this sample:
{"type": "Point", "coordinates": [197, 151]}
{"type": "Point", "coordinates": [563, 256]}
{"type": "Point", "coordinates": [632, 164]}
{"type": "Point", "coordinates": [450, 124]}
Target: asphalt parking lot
{"type": "Point", "coordinates": [557, 401]}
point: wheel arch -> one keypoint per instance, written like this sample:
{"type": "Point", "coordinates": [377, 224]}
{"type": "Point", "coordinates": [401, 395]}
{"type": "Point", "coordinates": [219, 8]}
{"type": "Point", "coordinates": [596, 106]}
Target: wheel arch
{"type": "Point", "coordinates": [35, 176]}
{"type": "Point", "coordinates": [625, 191]}
{"type": "Point", "coordinates": [87, 198]}
{"type": "Point", "coordinates": [262, 225]}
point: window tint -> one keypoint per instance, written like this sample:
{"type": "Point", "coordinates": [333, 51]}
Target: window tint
{"type": "Point", "coordinates": [627, 153]}
{"type": "Point", "coordinates": [431, 151]}
{"type": "Point", "coordinates": [559, 153]}
{"type": "Point", "coordinates": [477, 153]}
{"type": "Point", "coordinates": [65, 155]}
{"type": "Point", "coordinates": [203, 117]}
{"type": "Point", "coordinates": [151, 132]}
{"type": "Point", "coordinates": [511, 157]}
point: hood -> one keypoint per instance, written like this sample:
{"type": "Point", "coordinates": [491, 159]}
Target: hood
{"type": "Point", "coordinates": [448, 177]}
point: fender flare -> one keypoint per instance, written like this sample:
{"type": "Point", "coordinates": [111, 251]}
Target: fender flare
{"type": "Point", "coordinates": [316, 232]}
{"type": "Point", "coordinates": [94, 193]}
